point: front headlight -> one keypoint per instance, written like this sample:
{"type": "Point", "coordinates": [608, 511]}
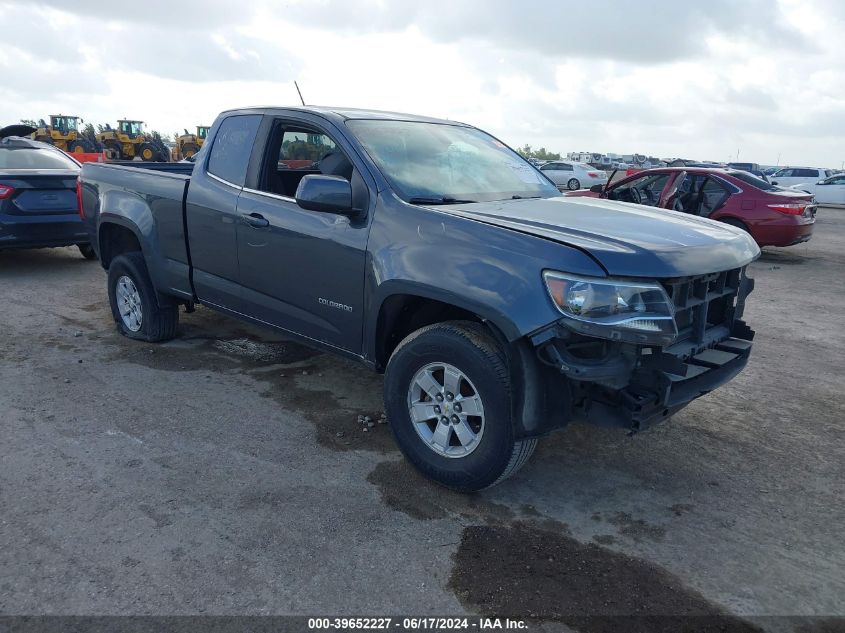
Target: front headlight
{"type": "Point", "coordinates": [635, 312]}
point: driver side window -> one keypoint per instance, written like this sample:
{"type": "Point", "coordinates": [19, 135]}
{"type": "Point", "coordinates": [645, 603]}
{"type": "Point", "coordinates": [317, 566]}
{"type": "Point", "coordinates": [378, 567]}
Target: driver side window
{"type": "Point", "coordinates": [295, 151]}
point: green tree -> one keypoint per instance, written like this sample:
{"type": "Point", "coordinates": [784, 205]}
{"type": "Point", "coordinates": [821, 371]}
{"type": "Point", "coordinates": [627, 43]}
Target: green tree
{"type": "Point", "coordinates": [90, 133]}
{"type": "Point", "coordinates": [540, 154]}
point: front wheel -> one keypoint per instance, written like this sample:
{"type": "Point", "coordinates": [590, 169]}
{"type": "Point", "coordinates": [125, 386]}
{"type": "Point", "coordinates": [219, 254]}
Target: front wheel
{"type": "Point", "coordinates": [189, 149]}
{"type": "Point", "coordinates": [573, 184]}
{"type": "Point", "coordinates": [147, 152]}
{"type": "Point", "coordinates": [448, 398]}
{"type": "Point", "coordinates": [134, 304]}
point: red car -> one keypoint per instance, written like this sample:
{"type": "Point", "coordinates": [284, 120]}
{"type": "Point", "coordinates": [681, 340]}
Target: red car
{"type": "Point", "coordinates": [772, 215]}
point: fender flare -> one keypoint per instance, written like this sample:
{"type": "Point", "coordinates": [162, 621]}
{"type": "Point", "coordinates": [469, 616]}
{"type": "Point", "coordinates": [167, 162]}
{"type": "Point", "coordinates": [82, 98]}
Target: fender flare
{"type": "Point", "coordinates": [396, 287]}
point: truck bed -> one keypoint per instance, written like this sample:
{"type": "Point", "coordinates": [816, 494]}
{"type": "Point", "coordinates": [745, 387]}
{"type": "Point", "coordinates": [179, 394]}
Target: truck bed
{"type": "Point", "coordinates": [152, 195]}
{"type": "Point", "coordinates": [171, 168]}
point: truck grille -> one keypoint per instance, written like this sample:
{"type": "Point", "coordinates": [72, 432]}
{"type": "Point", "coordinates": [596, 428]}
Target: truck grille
{"type": "Point", "coordinates": [704, 306]}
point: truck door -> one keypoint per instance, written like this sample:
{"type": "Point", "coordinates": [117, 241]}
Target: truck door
{"type": "Point", "coordinates": [211, 211]}
{"type": "Point", "coordinates": [303, 270]}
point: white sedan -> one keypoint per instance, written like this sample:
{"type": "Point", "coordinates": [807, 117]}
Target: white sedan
{"type": "Point", "coordinates": [828, 191]}
{"type": "Point", "coordinates": [572, 176]}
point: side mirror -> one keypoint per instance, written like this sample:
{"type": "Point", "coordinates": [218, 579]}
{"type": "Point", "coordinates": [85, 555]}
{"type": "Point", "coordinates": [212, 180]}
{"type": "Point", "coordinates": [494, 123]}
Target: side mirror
{"type": "Point", "coordinates": [597, 188]}
{"type": "Point", "coordinates": [330, 194]}
{"type": "Point", "coordinates": [820, 182]}
{"type": "Point", "coordinates": [774, 182]}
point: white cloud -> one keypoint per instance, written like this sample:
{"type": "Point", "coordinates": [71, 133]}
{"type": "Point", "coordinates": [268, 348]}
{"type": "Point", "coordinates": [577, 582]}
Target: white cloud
{"type": "Point", "coordinates": [660, 77]}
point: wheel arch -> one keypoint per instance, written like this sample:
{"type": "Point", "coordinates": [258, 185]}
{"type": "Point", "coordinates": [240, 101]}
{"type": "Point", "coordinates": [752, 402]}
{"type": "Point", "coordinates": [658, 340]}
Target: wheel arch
{"type": "Point", "coordinates": [116, 236]}
{"type": "Point", "coordinates": [404, 311]}
{"type": "Point", "coordinates": [541, 400]}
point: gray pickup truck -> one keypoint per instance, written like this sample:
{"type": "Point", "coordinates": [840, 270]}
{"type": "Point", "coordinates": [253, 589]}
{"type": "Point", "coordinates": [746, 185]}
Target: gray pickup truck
{"type": "Point", "coordinates": [430, 251]}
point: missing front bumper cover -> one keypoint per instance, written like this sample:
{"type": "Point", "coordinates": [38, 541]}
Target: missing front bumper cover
{"type": "Point", "coordinates": [646, 385]}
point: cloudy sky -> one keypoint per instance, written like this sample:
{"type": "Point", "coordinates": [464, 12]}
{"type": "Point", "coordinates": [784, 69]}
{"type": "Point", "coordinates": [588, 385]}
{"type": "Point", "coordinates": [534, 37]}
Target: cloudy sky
{"type": "Point", "coordinates": [705, 80]}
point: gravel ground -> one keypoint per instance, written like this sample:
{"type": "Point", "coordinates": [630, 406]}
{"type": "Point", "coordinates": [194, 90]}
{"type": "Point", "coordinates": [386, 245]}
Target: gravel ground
{"type": "Point", "coordinates": [227, 472]}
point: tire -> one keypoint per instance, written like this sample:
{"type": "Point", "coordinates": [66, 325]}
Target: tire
{"type": "Point", "coordinates": [87, 251]}
{"type": "Point", "coordinates": [114, 150]}
{"type": "Point", "coordinates": [573, 184]}
{"type": "Point", "coordinates": [156, 323]}
{"type": "Point", "coordinates": [76, 147]}
{"type": "Point", "coordinates": [189, 149]}
{"type": "Point", "coordinates": [493, 454]}
{"type": "Point", "coordinates": [147, 152]}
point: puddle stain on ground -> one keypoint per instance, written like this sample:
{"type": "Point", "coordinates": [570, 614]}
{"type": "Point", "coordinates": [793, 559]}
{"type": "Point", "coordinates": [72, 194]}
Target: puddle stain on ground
{"type": "Point", "coordinates": [548, 575]}
{"type": "Point", "coordinates": [636, 529]}
{"type": "Point", "coordinates": [529, 566]}
{"type": "Point", "coordinates": [405, 490]}
{"type": "Point", "coordinates": [329, 392]}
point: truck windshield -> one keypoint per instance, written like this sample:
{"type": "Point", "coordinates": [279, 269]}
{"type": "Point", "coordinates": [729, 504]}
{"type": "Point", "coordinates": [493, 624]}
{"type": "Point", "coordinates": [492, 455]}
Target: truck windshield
{"type": "Point", "coordinates": [448, 162]}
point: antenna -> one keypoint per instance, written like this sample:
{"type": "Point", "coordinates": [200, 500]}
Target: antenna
{"type": "Point", "coordinates": [299, 92]}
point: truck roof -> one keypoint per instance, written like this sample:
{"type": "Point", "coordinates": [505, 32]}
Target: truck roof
{"type": "Point", "coordinates": [351, 113]}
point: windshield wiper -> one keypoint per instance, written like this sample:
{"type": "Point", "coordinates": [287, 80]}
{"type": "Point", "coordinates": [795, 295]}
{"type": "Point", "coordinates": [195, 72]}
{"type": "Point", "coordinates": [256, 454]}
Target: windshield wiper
{"type": "Point", "coordinates": [440, 200]}
{"type": "Point", "coordinates": [518, 197]}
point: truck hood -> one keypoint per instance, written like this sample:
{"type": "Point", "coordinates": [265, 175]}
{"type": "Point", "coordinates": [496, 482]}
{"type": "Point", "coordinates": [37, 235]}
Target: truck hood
{"type": "Point", "coordinates": [625, 239]}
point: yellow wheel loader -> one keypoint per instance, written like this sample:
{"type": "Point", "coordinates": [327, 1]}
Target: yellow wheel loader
{"type": "Point", "coordinates": [189, 144]}
{"type": "Point", "coordinates": [129, 141]}
{"type": "Point", "coordinates": [63, 132]}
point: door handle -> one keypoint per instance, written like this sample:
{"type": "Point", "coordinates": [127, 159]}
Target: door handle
{"type": "Point", "coordinates": [255, 219]}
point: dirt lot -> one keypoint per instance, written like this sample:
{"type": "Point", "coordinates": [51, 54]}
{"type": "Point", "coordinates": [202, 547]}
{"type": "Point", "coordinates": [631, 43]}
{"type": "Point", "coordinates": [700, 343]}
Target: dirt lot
{"type": "Point", "coordinates": [226, 473]}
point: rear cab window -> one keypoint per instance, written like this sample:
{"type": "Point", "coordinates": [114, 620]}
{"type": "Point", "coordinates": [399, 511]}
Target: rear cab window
{"type": "Point", "coordinates": [232, 148]}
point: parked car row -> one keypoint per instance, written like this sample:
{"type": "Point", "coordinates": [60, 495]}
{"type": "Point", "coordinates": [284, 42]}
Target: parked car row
{"type": "Point", "coordinates": [828, 191]}
{"type": "Point", "coordinates": [772, 215]}
{"type": "Point", "coordinates": [788, 176]}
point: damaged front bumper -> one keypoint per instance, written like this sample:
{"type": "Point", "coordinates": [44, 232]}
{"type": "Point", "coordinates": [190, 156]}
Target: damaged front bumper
{"type": "Point", "coordinates": [634, 386]}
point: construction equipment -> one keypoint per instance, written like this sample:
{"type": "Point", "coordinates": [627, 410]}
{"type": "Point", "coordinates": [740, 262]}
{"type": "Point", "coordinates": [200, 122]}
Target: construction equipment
{"type": "Point", "coordinates": [129, 141]}
{"type": "Point", "coordinates": [63, 132]}
{"type": "Point", "coordinates": [189, 144]}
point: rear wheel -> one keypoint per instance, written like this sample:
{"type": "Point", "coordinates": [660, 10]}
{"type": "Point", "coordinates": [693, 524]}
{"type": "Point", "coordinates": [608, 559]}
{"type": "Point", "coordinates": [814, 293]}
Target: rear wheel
{"type": "Point", "coordinates": [447, 396]}
{"type": "Point", "coordinates": [134, 304]}
{"type": "Point", "coordinates": [76, 147]}
{"type": "Point", "coordinates": [573, 184]}
{"type": "Point", "coordinates": [113, 150]}
{"type": "Point", "coordinates": [87, 251]}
